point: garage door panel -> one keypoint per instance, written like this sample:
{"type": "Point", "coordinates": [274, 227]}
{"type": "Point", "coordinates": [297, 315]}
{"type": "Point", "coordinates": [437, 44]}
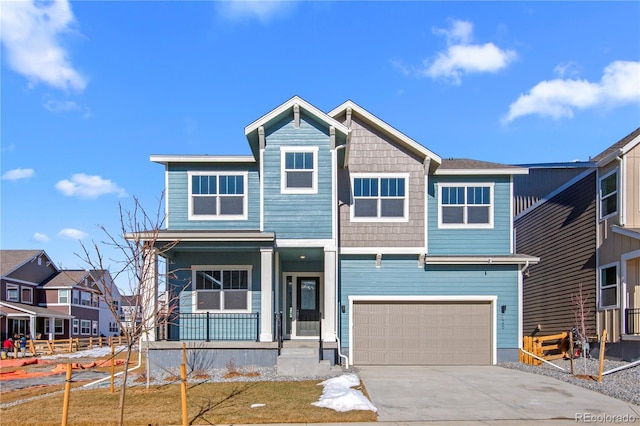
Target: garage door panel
{"type": "Point", "coordinates": [422, 333]}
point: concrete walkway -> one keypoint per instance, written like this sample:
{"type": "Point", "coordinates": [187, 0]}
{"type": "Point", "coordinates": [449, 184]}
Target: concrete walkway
{"type": "Point", "coordinates": [490, 395]}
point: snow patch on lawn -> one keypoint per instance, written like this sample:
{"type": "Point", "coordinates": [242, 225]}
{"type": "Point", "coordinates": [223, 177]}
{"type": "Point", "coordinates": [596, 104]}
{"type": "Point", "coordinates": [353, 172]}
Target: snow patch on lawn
{"type": "Point", "coordinates": [89, 353]}
{"type": "Point", "coordinates": [339, 396]}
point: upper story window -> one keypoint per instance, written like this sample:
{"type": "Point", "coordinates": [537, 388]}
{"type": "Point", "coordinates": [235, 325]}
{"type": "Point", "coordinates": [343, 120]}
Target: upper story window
{"type": "Point", "coordinates": [299, 166]}
{"type": "Point", "coordinates": [85, 298]}
{"type": "Point", "coordinates": [218, 196]}
{"type": "Point", "coordinates": [380, 198]}
{"type": "Point", "coordinates": [609, 194]}
{"type": "Point", "coordinates": [75, 294]}
{"type": "Point", "coordinates": [13, 293]}
{"type": "Point", "coordinates": [63, 296]}
{"type": "Point", "coordinates": [27, 295]}
{"type": "Point", "coordinates": [222, 288]}
{"type": "Point", "coordinates": [609, 286]}
{"type": "Point", "coordinates": [465, 206]}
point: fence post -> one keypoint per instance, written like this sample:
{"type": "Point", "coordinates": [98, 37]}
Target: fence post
{"type": "Point", "coordinates": [67, 390]}
{"type": "Point", "coordinates": [70, 344]}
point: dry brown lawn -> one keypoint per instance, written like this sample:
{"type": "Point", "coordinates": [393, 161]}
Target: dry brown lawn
{"type": "Point", "coordinates": [208, 403]}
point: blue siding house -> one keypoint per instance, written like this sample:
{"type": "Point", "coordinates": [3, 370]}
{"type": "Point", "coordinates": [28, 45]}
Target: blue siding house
{"type": "Point", "coordinates": [341, 232]}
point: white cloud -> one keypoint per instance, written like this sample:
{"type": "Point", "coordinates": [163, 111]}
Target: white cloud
{"type": "Point", "coordinates": [85, 186]}
{"type": "Point", "coordinates": [462, 57]}
{"type": "Point", "coordinates": [71, 233]}
{"type": "Point", "coordinates": [560, 98]}
{"type": "Point", "coordinates": [18, 174]}
{"type": "Point", "coordinates": [40, 238]}
{"type": "Point", "coordinates": [30, 34]}
{"type": "Point", "coordinates": [237, 10]}
{"type": "Point", "coordinates": [62, 106]}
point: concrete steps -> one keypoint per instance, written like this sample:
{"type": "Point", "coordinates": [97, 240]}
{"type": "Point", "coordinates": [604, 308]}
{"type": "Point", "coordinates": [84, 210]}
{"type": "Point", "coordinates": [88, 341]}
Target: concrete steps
{"type": "Point", "coordinates": [302, 361]}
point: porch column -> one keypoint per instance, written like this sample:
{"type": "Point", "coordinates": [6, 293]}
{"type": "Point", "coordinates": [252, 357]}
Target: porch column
{"type": "Point", "coordinates": [266, 294]}
{"type": "Point", "coordinates": [330, 301]}
{"type": "Point", "coordinates": [32, 326]}
{"type": "Point", "coordinates": [149, 294]}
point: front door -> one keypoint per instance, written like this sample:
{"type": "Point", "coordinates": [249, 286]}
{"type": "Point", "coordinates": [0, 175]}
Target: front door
{"type": "Point", "coordinates": [307, 316]}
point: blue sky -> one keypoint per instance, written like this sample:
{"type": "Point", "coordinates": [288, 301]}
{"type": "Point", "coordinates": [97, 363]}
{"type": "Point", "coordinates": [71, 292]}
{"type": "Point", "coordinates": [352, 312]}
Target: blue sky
{"type": "Point", "coordinates": [91, 89]}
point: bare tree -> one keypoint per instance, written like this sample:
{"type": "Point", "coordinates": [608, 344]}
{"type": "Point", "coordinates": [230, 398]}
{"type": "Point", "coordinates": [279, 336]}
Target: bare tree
{"type": "Point", "coordinates": [581, 309]}
{"type": "Point", "coordinates": [137, 246]}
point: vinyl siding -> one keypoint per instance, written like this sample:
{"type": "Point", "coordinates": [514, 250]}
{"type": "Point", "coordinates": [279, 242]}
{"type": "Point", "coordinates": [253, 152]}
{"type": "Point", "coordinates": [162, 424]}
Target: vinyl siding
{"type": "Point", "coordinates": [483, 241]}
{"type": "Point", "coordinates": [359, 276]}
{"type": "Point", "coordinates": [178, 198]}
{"type": "Point", "coordinates": [561, 232]}
{"type": "Point", "coordinates": [372, 152]}
{"type": "Point", "coordinates": [297, 215]}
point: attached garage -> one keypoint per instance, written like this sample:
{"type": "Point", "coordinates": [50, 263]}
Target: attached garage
{"type": "Point", "coordinates": [422, 331]}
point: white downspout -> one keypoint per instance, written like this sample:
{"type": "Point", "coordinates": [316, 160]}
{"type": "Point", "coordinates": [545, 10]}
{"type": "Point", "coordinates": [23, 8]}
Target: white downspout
{"type": "Point", "coordinates": [337, 320]}
{"type": "Point", "coordinates": [121, 372]}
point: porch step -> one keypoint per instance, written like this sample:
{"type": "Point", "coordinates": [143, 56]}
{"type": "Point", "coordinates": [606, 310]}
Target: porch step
{"type": "Point", "coordinates": [303, 362]}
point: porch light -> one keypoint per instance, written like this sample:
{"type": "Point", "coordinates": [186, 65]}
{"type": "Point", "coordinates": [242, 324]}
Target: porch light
{"type": "Point", "coordinates": [303, 257]}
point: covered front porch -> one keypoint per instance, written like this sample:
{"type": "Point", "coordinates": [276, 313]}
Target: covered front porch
{"type": "Point", "coordinates": [34, 321]}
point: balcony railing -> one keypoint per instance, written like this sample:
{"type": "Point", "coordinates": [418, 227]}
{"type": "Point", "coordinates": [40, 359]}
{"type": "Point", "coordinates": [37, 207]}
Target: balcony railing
{"type": "Point", "coordinates": [632, 321]}
{"type": "Point", "coordinates": [211, 327]}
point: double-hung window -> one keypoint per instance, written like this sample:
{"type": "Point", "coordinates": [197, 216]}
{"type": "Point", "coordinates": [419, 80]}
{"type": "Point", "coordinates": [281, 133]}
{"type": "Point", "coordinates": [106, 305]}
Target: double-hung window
{"type": "Point", "coordinates": [13, 293]}
{"type": "Point", "coordinates": [85, 327]}
{"type": "Point", "coordinates": [85, 298]}
{"type": "Point", "coordinates": [465, 206]}
{"type": "Point", "coordinates": [609, 194]}
{"type": "Point", "coordinates": [63, 296]}
{"type": "Point", "coordinates": [222, 288]}
{"type": "Point", "coordinates": [380, 198]}
{"type": "Point", "coordinates": [76, 327]}
{"type": "Point", "coordinates": [58, 326]}
{"type": "Point", "coordinates": [299, 170]}
{"type": "Point", "coordinates": [609, 286]}
{"type": "Point", "coordinates": [218, 196]}
{"type": "Point", "coordinates": [27, 295]}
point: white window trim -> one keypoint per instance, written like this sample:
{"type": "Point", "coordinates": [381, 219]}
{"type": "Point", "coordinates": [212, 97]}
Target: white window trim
{"type": "Point", "coordinates": [283, 173]}
{"type": "Point", "coordinates": [94, 328]}
{"type": "Point", "coordinates": [617, 286]}
{"type": "Point", "coordinates": [68, 302]}
{"type": "Point", "coordinates": [22, 290]}
{"type": "Point", "coordinates": [76, 327]}
{"type": "Point", "coordinates": [194, 292]}
{"type": "Point", "coordinates": [617, 191]}
{"type": "Point", "coordinates": [245, 202]}
{"type": "Point", "coordinates": [379, 176]}
{"type": "Point", "coordinates": [82, 327]}
{"type": "Point", "coordinates": [55, 326]}
{"type": "Point", "coordinates": [489, 225]}
{"type": "Point", "coordinates": [17, 289]}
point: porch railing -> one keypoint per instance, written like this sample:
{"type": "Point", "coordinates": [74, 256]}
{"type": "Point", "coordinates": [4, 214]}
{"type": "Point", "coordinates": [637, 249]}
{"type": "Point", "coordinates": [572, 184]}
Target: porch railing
{"type": "Point", "coordinates": [211, 327]}
{"type": "Point", "coordinates": [632, 320]}
{"type": "Point", "coordinates": [278, 326]}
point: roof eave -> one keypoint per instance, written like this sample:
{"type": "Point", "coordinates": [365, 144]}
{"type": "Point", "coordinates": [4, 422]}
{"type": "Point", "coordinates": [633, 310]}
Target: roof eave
{"type": "Point", "coordinates": [498, 171]}
{"type": "Point", "coordinates": [226, 159]}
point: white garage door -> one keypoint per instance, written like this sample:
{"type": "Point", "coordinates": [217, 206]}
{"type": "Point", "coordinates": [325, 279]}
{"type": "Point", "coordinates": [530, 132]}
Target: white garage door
{"type": "Point", "coordinates": [422, 333]}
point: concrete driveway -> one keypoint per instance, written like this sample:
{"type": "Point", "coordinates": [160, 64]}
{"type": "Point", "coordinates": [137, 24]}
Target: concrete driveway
{"type": "Point", "coordinates": [467, 394]}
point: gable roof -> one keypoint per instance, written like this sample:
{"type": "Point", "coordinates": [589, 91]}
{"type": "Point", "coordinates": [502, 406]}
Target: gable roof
{"type": "Point", "coordinates": [67, 278]}
{"type": "Point", "coordinates": [10, 260]}
{"type": "Point", "coordinates": [619, 148]}
{"type": "Point", "coordinates": [463, 166]}
{"type": "Point", "coordinates": [281, 111]}
{"type": "Point", "coordinates": [381, 125]}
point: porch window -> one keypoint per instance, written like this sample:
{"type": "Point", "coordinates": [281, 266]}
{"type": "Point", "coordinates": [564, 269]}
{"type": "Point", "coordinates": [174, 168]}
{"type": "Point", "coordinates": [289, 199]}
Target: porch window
{"type": "Point", "coordinates": [609, 286]}
{"type": "Point", "coordinates": [465, 206]}
{"type": "Point", "coordinates": [13, 293]}
{"type": "Point", "coordinates": [27, 295]}
{"type": "Point", "coordinates": [76, 327]}
{"type": "Point", "coordinates": [222, 289]}
{"type": "Point", "coordinates": [218, 196]}
{"type": "Point", "coordinates": [608, 194]}
{"type": "Point", "coordinates": [299, 167]}
{"type": "Point", "coordinates": [58, 326]}
{"type": "Point", "coordinates": [85, 327]}
{"type": "Point", "coordinates": [63, 296]}
{"type": "Point", "coordinates": [380, 198]}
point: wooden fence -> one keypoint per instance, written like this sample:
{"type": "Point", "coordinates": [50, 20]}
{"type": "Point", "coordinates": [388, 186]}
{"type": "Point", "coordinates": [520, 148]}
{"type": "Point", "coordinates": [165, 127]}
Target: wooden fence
{"type": "Point", "coordinates": [50, 347]}
{"type": "Point", "coordinates": [546, 347]}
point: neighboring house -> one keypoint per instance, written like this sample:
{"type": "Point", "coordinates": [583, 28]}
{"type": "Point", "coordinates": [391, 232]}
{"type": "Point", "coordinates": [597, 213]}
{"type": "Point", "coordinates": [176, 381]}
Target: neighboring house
{"type": "Point", "coordinates": [22, 272]}
{"type": "Point", "coordinates": [556, 216]}
{"type": "Point", "coordinates": [108, 323]}
{"type": "Point", "coordinates": [584, 224]}
{"type": "Point", "coordinates": [342, 229]}
{"type": "Point", "coordinates": [41, 300]}
{"type": "Point", "coordinates": [131, 312]}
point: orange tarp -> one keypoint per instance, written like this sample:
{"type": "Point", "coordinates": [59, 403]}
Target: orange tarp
{"type": "Point", "coordinates": [58, 369]}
